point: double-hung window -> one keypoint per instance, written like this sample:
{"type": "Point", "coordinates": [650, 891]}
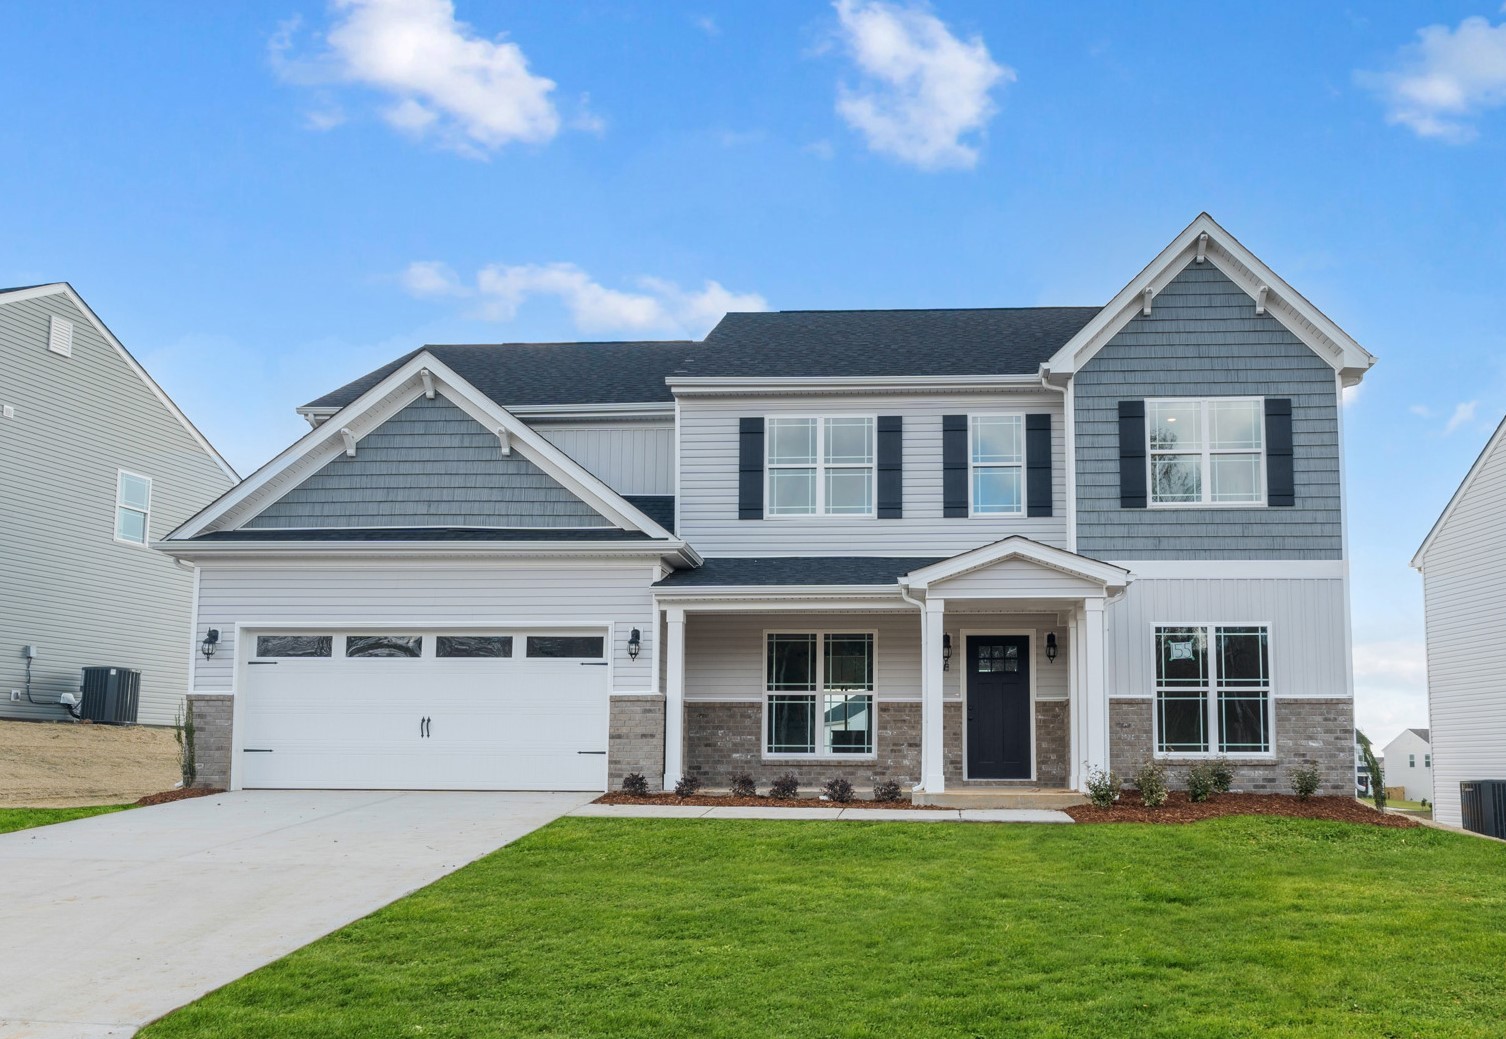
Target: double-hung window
{"type": "Point", "coordinates": [1206, 452]}
{"type": "Point", "coordinates": [1213, 689]}
{"type": "Point", "coordinates": [997, 456]}
{"type": "Point", "coordinates": [820, 466]}
{"type": "Point", "coordinates": [133, 507]}
{"type": "Point", "coordinates": [819, 698]}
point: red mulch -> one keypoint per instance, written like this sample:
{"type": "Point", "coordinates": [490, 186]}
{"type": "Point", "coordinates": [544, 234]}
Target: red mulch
{"type": "Point", "coordinates": [1178, 809]}
{"type": "Point", "coordinates": [728, 801]}
{"type": "Point", "coordinates": [180, 794]}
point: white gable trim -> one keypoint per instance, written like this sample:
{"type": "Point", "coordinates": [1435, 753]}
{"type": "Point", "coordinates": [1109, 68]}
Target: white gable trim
{"type": "Point", "coordinates": [1205, 239]}
{"type": "Point", "coordinates": [405, 385]}
{"type": "Point", "coordinates": [1491, 445]}
{"type": "Point", "coordinates": [1017, 547]}
{"type": "Point", "coordinates": [62, 288]}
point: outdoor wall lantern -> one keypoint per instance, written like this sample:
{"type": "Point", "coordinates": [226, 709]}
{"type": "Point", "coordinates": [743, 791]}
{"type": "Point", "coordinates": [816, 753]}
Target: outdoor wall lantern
{"type": "Point", "coordinates": [946, 651]}
{"type": "Point", "coordinates": [635, 643]}
{"type": "Point", "coordinates": [1051, 645]}
{"type": "Point", "coordinates": [211, 641]}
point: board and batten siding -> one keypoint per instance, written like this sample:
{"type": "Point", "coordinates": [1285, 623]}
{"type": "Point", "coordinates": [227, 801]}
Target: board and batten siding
{"type": "Point", "coordinates": [73, 591]}
{"type": "Point", "coordinates": [709, 480]}
{"type": "Point", "coordinates": [558, 594]}
{"type": "Point", "coordinates": [724, 653]}
{"type": "Point", "coordinates": [1204, 339]}
{"type": "Point", "coordinates": [1464, 599]}
{"type": "Point", "coordinates": [1308, 633]}
{"type": "Point", "coordinates": [429, 465]}
{"type": "Point", "coordinates": [630, 458]}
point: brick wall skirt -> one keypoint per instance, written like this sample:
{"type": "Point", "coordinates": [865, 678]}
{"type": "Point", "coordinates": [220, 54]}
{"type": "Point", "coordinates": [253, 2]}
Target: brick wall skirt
{"type": "Point", "coordinates": [1308, 732]}
{"type": "Point", "coordinates": [212, 714]}
{"type": "Point", "coordinates": [1051, 748]}
{"type": "Point", "coordinates": [722, 739]}
{"type": "Point", "coordinates": [635, 741]}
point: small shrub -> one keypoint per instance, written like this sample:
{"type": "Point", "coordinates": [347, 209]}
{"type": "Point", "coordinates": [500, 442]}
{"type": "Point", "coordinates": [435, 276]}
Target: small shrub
{"type": "Point", "coordinates": [1305, 781]}
{"type": "Point", "coordinates": [688, 786]}
{"type": "Point", "coordinates": [838, 790]}
{"type": "Point", "coordinates": [1103, 787]}
{"type": "Point", "coordinates": [635, 784]}
{"type": "Point", "coordinates": [1200, 782]}
{"type": "Point", "coordinates": [785, 788]}
{"type": "Point", "coordinates": [1425, 803]}
{"type": "Point", "coordinates": [1150, 780]}
{"type": "Point", "coordinates": [886, 790]}
{"type": "Point", "coordinates": [743, 785]}
{"type": "Point", "coordinates": [1223, 775]}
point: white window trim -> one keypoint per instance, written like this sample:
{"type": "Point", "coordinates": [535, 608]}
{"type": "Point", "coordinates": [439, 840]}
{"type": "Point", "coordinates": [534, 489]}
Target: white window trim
{"type": "Point", "coordinates": [820, 466]}
{"type": "Point", "coordinates": [1210, 697]}
{"type": "Point", "coordinates": [1207, 452]}
{"type": "Point", "coordinates": [820, 693]}
{"type": "Point", "coordinates": [972, 425]}
{"type": "Point", "coordinates": [146, 529]}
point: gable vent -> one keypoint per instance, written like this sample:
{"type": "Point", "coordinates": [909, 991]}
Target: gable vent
{"type": "Point", "coordinates": [60, 335]}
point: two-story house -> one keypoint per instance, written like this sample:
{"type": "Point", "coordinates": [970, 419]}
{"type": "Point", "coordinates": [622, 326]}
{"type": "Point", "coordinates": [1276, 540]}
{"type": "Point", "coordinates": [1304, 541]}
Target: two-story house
{"type": "Point", "coordinates": [951, 548]}
{"type": "Point", "coordinates": [1408, 763]}
{"type": "Point", "coordinates": [96, 462]}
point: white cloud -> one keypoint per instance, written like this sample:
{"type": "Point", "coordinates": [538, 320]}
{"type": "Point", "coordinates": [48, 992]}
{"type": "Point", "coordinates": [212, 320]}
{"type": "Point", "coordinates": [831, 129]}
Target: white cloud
{"type": "Point", "coordinates": [923, 89]}
{"type": "Point", "coordinates": [470, 93]}
{"type": "Point", "coordinates": [1445, 79]}
{"type": "Point", "coordinates": [1463, 413]}
{"type": "Point", "coordinates": [1390, 688]}
{"type": "Point", "coordinates": [1421, 410]}
{"type": "Point", "coordinates": [707, 25]}
{"type": "Point", "coordinates": [654, 305]}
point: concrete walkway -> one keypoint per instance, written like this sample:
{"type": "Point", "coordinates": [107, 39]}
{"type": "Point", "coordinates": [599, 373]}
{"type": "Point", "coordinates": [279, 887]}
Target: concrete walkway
{"type": "Point", "coordinates": [899, 815]}
{"type": "Point", "coordinates": [108, 923]}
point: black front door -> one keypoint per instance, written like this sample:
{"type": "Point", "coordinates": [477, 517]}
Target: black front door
{"type": "Point", "coordinates": [998, 707]}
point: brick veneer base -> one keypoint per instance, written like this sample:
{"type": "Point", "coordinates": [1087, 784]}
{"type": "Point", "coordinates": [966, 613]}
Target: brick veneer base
{"type": "Point", "coordinates": [722, 739]}
{"type": "Point", "coordinates": [635, 742]}
{"type": "Point", "coordinates": [212, 715]}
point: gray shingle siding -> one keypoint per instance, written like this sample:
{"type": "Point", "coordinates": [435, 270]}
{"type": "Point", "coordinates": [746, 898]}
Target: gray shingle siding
{"type": "Point", "coordinates": [1203, 338]}
{"type": "Point", "coordinates": [430, 465]}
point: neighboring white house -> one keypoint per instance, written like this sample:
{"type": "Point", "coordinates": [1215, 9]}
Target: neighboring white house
{"type": "Point", "coordinates": [1408, 763]}
{"type": "Point", "coordinates": [1463, 567]}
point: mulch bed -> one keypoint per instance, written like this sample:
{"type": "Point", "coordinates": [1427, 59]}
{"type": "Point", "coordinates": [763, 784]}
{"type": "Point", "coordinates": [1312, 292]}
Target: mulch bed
{"type": "Point", "coordinates": [180, 794]}
{"type": "Point", "coordinates": [1178, 809]}
{"type": "Point", "coordinates": [728, 801]}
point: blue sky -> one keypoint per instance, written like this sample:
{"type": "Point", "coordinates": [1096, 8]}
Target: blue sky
{"type": "Point", "coordinates": [266, 199]}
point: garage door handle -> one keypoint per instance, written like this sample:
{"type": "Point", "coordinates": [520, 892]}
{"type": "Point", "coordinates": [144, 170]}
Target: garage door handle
{"type": "Point", "coordinates": [262, 663]}
{"type": "Point", "coordinates": [256, 750]}
{"type": "Point", "coordinates": [593, 663]}
{"type": "Point", "coordinates": [590, 752]}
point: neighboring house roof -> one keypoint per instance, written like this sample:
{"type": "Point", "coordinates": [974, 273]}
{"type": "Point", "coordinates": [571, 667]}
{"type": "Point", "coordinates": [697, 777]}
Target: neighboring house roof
{"type": "Point", "coordinates": [425, 534]}
{"type": "Point", "coordinates": [1422, 734]}
{"type": "Point", "coordinates": [796, 570]}
{"type": "Point", "coordinates": [21, 292]}
{"type": "Point", "coordinates": [1459, 493]}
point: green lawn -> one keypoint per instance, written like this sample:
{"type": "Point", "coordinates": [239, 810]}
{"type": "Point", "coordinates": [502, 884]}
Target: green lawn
{"type": "Point", "coordinates": [26, 818]}
{"type": "Point", "coordinates": [661, 928]}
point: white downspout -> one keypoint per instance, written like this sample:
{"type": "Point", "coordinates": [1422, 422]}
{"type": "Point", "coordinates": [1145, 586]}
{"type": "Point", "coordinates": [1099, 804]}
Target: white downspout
{"type": "Point", "coordinates": [1069, 441]}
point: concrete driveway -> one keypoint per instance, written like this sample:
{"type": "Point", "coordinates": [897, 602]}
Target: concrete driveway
{"type": "Point", "coordinates": [108, 923]}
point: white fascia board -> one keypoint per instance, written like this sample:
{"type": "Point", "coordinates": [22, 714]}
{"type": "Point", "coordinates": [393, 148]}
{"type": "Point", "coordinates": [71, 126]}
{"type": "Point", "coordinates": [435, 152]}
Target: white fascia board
{"type": "Point", "coordinates": [1245, 269]}
{"type": "Point", "coordinates": [646, 410]}
{"type": "Point", "coordinates": [65, 289]}
{"type": "Point", "coordinates": [1469, 481]}
{"type": "Point", "coordinates": [1018, 547]}
{"type": "Point", "coordinates": [778, 598]}
{"type": "Point", "coordinates": [709, 386]}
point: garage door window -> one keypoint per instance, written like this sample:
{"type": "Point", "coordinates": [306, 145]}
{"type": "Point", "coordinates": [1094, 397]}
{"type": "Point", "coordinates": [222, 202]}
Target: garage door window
{"type": "Point", "coordinates": [294, 645]}
{"type": "Point", "coordinates": [586, 646]}
{"type": "Point", "coordinates": [473, 646]}
{"type": "Point", "coordinates": [384, 646]}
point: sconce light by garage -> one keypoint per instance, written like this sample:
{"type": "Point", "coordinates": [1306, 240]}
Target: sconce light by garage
{"type": "Point", "coordinates": [946, 652]}
{"type": "Point", "coordinates": [635, 643]}
{"type": "Point", "coordinates": [211, 642]}
{"type": "Point", "coordinates": [1051, 646]}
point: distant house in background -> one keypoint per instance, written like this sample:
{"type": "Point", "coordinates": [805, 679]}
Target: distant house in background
{"type": "Point", "coordinates": [1408, 762]}
{"type": "Point", "coordinates": [95, 463]}
{"type": "Point", "coordinates": [1463, 567]}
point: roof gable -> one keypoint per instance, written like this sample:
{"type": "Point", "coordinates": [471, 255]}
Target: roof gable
{"type": "Point", "coordinates": [1018, 549]}
{"type": "Point", "coordinates": [1488, 466]}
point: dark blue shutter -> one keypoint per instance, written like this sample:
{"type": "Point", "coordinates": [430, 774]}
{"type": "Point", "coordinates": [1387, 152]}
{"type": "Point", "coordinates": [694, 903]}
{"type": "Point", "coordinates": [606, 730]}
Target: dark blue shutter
{"type": "Point", "coordinates": [891, 467]}
{"type": "Point", "coordinates": [954, 466]}
{"type": "Point", "coordinates": [1132, 454]}
{"type": "Point", "coordinates": [1038, 465]}
{"type": "Point", "coordinates": [1280, 485]}
{"type": "Point", "coordinates": [750, 468]}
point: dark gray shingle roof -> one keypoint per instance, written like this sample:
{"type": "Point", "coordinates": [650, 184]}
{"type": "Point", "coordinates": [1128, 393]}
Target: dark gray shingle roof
{"type": "Point", "coordinates": [426, 534]}
{"type": "Point", "coordinates": [658, 507]}
{"type": "Point", "coordinates": [796, 570]}
{"type": "Point", "coordinates": [1426, 734]}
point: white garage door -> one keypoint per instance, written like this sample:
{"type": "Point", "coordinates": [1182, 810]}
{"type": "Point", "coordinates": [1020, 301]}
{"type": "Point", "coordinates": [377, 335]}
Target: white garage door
{"type": "Point", "coordinates": [425, 710]}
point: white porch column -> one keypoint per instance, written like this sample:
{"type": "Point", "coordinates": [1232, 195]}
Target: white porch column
{"type": "Point", "coordinates": [932, 741]}
{"type": "Point", "coordinates": [674, 696]}
{"type": "Point", "coordinates": [1095, 692]}
{"type": "Point", "coordinates": [1074, 703]}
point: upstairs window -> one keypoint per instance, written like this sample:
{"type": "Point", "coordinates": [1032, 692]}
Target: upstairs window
{"type": "Point", "coordinates": [997, 457]}
{"type": "Point", "coordinates": [133, 507]}
{"type": "Point", "coordinates": [820, 466]}
{"type": "Point", "coordinates": [1206, 452]}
